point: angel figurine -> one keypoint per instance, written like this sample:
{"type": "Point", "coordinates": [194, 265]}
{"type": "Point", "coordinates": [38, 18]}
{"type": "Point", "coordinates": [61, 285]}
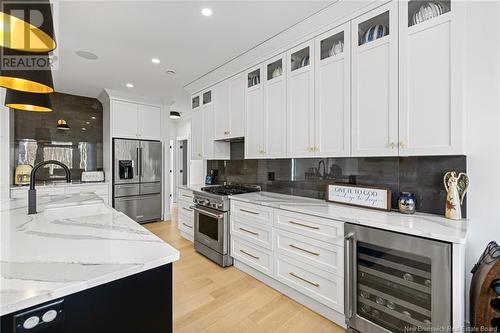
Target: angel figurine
{"type": "Point", "coordinates": [456, 186]}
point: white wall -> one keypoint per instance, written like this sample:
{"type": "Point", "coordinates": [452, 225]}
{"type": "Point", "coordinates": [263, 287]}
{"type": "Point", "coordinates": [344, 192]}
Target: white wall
{"type": "Point", "coordinates": [4, 147]}
{"type": "Point", "coordinates": [482, 86]}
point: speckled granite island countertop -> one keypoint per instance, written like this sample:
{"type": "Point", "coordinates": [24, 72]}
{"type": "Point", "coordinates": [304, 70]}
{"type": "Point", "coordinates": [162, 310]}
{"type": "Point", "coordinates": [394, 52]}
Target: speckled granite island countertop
{"type": "Point", "coordinates": [423, 225]}
{"type": "Point", "coordinates": [75, 242]}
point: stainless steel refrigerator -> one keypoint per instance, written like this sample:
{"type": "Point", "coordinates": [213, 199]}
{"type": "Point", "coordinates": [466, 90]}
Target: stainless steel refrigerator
{"type": "Point", "coordinates": [137, 167]}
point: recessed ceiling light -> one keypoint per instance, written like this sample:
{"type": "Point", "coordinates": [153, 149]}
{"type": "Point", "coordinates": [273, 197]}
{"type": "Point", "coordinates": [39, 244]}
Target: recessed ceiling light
{"type": "Point", "coordinates": [94, 118]}
{"type": "Point", "coordinates": [170, 71]}
{"type": "Point", "coordinates": [130, 85]}
{"type": "Point", "coordinates": [84, 129]}
{"type": "Point", "coordinates": [87, 122]}
{"type": "Point", "coordinates": [155, 61]}
{"type": "Point", "coordinates": [87, 55]}
{"type": "Point", "coordinates": [206, 12]}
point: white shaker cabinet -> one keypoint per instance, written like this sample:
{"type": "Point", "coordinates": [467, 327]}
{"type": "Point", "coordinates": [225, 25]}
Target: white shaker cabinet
{"type": "Point", "coordinates": [430, 81]}
{"type": "Point", "coordinates": [196, 129]}
{"type": "Point", "coordinates": [136, 121]}
{"type": "Point", "coordinates": [375, 84]}
{"type": "Point", "coordinates": [274, 115]}
{"type": "Point", "coordinates": [229, 108]}
{"type": "Point", "coordinates": [332, 107]}
{"type": "Point", "coordinates": [211, 149]}
{"type": "Point", "coordinates": [300, 100]}
{"type": "Point", "coordinates": [254, 113]}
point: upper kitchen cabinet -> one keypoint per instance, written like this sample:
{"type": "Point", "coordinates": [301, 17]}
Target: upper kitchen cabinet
{"type": "Point", "coordinates": [332, 105]}
{"type": "Point", "coordinates": [430, 77]}
{"type": "Point", "coordinates": [300, 100]}
{"type": "Point", "coordinates": [229, 108]}
{"type": "Point", "coordinates": [374, 92]}
{"type": "Point", "coordinates": [274, 114]}
{"type": "Point", "coordinates": [211, 149]}
{"type": "Point", "coordinates": [254, 114]}
{"type": "Point", "coordinates": [196, 128]}
{"type": "Point", "coordinates": [135, 121]}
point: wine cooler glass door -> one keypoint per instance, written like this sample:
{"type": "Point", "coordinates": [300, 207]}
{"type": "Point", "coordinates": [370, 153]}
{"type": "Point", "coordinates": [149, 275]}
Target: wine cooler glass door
{"type": "Point", "coordinates": [397, 283]}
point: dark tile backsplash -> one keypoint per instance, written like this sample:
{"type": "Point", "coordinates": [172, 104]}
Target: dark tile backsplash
{"type": "Point", "coordinates": [309, 176]}
{"type": "Point", "coordinates": [36, 137]}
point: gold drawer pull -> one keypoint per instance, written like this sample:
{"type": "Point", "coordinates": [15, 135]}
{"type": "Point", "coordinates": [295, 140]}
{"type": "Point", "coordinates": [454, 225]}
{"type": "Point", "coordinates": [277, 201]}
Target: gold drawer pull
{"type": "Point", "coordinates": [304, 250]}
{"type": "Point", "coordinates": [250, 232]}
{"type": "Point", "coordinates": [250, 255]}
{"type": "Point", "coordinates": [307, 281]}
{"type": "Point", "coordinates": [189, 210]}
{"type": "Point", "coordinates": [187, 196]}
{"type": "Point", "coordinates": [248, 211]}
{"type": "Point", "coordinates": [304, 225]}
{"type": "Point", "coordinates": [187, 225]}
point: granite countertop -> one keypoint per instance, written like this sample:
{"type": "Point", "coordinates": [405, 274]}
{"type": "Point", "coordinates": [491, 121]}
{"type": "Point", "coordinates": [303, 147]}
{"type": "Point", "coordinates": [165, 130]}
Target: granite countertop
{"type": "Point", "coordinates": [423, 225]}
{"type": "Point", "coordinates": [75, 242]}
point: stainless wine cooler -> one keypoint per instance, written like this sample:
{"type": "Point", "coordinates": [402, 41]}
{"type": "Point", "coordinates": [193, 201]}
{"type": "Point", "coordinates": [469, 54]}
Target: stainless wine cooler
{"type": "Point", "coordinates": [395, 282]}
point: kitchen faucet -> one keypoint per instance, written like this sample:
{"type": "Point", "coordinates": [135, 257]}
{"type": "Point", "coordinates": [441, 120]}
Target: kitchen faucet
{"type": "Point", "coordinates": [32, 190]}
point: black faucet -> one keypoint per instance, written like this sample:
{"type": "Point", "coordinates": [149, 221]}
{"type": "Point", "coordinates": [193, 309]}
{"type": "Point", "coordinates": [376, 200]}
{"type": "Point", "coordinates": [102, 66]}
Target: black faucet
{"type": "Point", "coordinates": [32, 191]}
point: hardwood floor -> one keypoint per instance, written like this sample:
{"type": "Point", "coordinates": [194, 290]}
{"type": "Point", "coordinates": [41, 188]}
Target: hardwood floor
{"type": "Point", "coordinates": [208, 298]}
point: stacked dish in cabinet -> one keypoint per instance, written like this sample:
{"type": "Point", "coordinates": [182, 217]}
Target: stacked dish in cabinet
{"type": "Point", "coordinates": [186, 213]}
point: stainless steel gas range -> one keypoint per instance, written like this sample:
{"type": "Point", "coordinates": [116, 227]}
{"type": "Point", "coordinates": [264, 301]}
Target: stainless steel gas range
{"type": "Point", "coordinates": [211, 221]}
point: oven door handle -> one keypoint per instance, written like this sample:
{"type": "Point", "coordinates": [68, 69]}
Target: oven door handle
{"type": "Point", "coordinates": [348, 239]}
{"type": "Point", "coordinates": [202, 211]}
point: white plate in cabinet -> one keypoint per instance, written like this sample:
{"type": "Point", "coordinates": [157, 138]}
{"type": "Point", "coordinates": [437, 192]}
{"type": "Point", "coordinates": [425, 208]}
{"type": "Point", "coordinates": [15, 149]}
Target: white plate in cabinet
{"type": "Point", "coordinates": [326, 230]}
{"type": "Point", "coordinates": [430, 81]}
{"type": "Point", "coordinates": [326, 288]}
{"type": "Point", "coordinates": [259, 258]}
{"type": "Point", "coordinates": [300, 100]}
{"type": "Point", "coordinates": [255, 213]}
{"type": "Point", "coordinates": [255, 233]}
{"type": "Point", "coordinates": [325, 256]}
{"type": "Point", "coordinates": [374, 88]}
{"type": "Point", "coordinates": [332, 103]}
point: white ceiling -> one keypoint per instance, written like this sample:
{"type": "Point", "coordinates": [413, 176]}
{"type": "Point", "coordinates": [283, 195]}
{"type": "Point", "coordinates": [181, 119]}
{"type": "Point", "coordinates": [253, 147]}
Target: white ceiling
{"type": "Point", "coordinates": [126, 35]}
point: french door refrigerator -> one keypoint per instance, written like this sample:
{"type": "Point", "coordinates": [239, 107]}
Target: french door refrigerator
{"type": "Point", "coordinates": [137, 167]}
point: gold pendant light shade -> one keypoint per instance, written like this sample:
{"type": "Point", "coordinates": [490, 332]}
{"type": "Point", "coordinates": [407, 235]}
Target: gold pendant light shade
{"type": "Point", "coordinates": [21, 34]}
{"type": "Point", "coordinates": [27, 85]}
{"type": "Point", "coordinates": [26, 101]}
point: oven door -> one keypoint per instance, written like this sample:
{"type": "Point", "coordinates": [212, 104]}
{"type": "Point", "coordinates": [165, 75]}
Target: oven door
{"type": "Point", "coordinates": [396, 282]}
{"type": "Point", "coordinates": [210, 228]}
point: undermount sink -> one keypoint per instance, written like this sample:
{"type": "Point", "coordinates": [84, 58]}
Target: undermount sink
{"type": "Point", "coordinates": [70, 212]}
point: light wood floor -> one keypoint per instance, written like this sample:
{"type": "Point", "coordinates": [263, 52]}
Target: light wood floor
{"type": "Point", "coordinates": [208, 298]}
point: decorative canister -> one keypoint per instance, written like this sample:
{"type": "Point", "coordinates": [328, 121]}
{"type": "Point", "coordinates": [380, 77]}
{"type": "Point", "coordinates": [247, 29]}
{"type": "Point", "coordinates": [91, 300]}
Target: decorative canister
{"type": "Point", "coordinates": [407, 203]}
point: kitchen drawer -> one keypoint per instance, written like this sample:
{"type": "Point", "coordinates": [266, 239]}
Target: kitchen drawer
{"type": "Point", "coordinates": [185, 195]}
{"type": "Point", "coordinates": [101, 190]}
{"type": "Point", "coordinates": [255, 233]}
{"type": "Point", "coordinates": [186, 225]}
{"type": "Point", "coordinates": [315, 227]}
{"type": "Point", "coordinates": [185, 207]}
{"type": "Point", "coordinates": [257, 213]}
{"type": "Point", "coordinates": [326, 288]}
{"type": "Point", "coordinates": [254, 256]}
{"type": "Point", "coordinates": [325, 256]}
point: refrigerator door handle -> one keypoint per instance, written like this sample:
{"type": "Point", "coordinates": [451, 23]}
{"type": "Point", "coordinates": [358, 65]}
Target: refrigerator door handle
{"type": "Point", "coordinates": [348, 275]}
{"type": "Point", "coordinates": [138, 152]}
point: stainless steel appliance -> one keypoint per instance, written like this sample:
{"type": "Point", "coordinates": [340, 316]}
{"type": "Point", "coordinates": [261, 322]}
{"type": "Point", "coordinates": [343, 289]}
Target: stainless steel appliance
{"type": "Point", "coordinates": [211, 221]}
{"type": "Point", "coordinates": [396, 282]}
{"type": "Point", "coordinates": [137, 167]}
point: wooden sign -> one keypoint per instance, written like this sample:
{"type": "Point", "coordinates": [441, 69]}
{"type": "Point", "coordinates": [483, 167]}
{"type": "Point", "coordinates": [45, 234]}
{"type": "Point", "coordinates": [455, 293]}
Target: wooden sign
{"type": "Point", "coordinates": [357, 195]}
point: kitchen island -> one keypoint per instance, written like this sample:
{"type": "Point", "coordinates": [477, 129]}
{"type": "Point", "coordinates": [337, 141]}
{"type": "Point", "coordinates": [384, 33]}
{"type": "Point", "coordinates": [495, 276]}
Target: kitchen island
{"type": "Point", "coordinates": [81, 266]}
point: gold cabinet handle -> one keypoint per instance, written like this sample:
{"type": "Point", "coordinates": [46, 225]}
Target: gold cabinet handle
{"type": "Point", "coordinates": [402, 145]}
{"type": "Point", "coordinates": [392, 145]}
{"type": "Point", "coordinates": [303, 250]}
{"type": "Point", "coordinates": [305, 280]}
{"type": "Point", "coordinates": [250, 232]}
{"type": "Point", "coordinates": [187, 196]}
{"type": "Point", "coordinates": [189, 210]}
{"type": "Point", "coordinates": [250, 255]}
{"type": "Point", "coordinates": [304, 225]}
{"type": "Point", "coordinates": [248, 211]}
{"type": "Point", "coordinates": [187, 225]}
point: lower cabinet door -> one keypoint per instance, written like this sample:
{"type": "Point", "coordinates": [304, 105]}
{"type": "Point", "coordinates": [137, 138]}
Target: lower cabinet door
{"type": "Point", "coordinates": [254, 256]}
{"type": "Point", "coordinates": [326, 288]}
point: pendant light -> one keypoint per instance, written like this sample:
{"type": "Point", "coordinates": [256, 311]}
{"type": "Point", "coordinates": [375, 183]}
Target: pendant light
{"type": "Point", "coordinates": [25, 101]}
{"type": "Point", "coordinates": [22, 78]}
{"type": "Point", "coordinates": [62, 125]}
{"type": "Point", "coordinates": [27, 26]}
{"type": "Point", "coordinates": [174, 115]}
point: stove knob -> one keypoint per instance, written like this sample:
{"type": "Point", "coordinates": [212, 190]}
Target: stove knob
{"type": "Point", "coordinates": [219, 205]}
{"type": "Point", "coordinates": [207, 202]}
